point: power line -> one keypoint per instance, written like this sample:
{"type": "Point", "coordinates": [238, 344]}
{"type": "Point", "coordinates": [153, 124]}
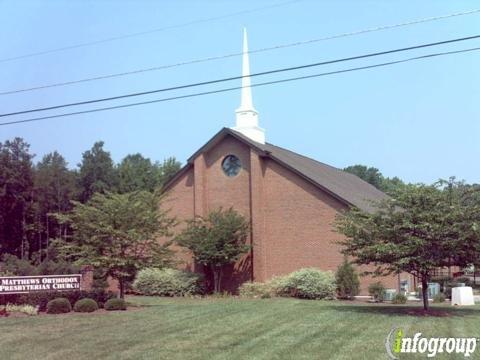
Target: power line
{"type": "Point", "coordinates": [226, 56]}
{"type": "Point", "coordinates": [131, 35]}
{"type": "Point", "coordinates": [269, 72]}
{"type": "Point", "coordinates": [240, 87]}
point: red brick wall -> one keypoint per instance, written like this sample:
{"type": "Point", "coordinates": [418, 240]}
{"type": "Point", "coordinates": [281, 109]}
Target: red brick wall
{"type": "Point", "coordinates": [299, 220]}
{"type": "Point", "coordinates": [291, 219]}
{"type": "Point", "coordinates": [225, 192]}
{"type": "Point", "coordinates": [180, 201]}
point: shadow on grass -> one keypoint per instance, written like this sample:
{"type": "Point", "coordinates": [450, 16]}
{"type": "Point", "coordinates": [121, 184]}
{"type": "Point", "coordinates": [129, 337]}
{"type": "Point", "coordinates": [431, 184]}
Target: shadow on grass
{"type": "Point", "coordinates": [406, 310]}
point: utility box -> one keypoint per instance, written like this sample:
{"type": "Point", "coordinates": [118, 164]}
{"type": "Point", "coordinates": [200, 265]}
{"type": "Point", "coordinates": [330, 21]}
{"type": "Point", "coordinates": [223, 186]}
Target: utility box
{"type": "Point", "coordinates": [462, 296]}
{"type": "Point", "coordinates": [389, 294]}
{"type": "Point", "coordinates": [433, 290]}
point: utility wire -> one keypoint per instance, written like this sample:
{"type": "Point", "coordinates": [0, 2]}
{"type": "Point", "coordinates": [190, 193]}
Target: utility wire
{"type": "Point", "coordinates": [240, 87]}
{"type": "Point", "coordinates": [220, 57]}
{"type": "Point", "coordinates": [131, 35]}
{"type": "Point", "coordinates": [269, 72]}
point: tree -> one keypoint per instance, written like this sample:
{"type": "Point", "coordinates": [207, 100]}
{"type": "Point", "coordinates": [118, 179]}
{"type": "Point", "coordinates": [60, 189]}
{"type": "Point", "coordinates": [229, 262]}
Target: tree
{"type": "Point", "coordinates": [391, 185]}
{"type": "Point", "coordinates": [370, 174]}
{"type": "Point", "coordinates": [54, 189]}
{"type": "Point", "coordinates": [374, 177]}
{"type": "Point", "coordinates": [348, 284]}
{"type": "Point", "coordinates": [423, 229]}
{"type": "Point", "coordinates": [97, 173]}
{"type": "Point", "coordinates": [119, 234]}
{"type": "Point", "coordinates": [216, 241]}
{"type": "Point", "coordinates": [16, 187]}
{"type": "Point", "coordinates": [137, 173]}
{"type": "Point", "coordinates": [168, 169]}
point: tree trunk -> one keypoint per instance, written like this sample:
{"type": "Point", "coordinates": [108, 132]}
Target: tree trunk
{"type": "Point", "coordinates": [217, 278]}
{"type": "Point", "coordinates": [48, 234]}
{"type": "Point", "coordinates": [425, 292]}
{"type": "Point", "coordinates": [121, 285]}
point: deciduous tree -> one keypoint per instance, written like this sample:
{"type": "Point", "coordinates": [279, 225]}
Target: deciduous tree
{"type": "Point", "coordinates": [54, 189]}
{"type": "Point", "coordinates": [16, 188]}
{"type": "Point", "coordinates": [119, 234]}
{"type": "Point", "coordinates": [424, 228]}
{"type": "Point", "coordinates": [97, 173]}
{"type": "Point", "coordinates": [216, 241]}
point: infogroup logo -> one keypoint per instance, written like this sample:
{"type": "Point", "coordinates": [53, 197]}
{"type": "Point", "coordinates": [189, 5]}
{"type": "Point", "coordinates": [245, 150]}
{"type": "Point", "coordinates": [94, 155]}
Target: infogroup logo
{"type": "Point", "coordinates": [397, 343]}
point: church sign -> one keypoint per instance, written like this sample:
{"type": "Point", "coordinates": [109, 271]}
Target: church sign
{"type": "Point", "coordinates": [29, 284]}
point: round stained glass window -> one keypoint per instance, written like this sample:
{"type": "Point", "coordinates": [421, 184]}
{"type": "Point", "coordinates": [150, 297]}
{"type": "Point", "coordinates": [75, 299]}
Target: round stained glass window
{"type": "Point", "coordinates": [231, 165]}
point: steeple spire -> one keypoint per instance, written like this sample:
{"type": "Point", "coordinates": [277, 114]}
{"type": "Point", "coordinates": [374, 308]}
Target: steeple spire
{"type": "Point", "coordinates": [247, 116]}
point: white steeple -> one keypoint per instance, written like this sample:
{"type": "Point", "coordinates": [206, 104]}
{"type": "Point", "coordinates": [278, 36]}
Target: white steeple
{"type": "Point", "coordinates": [247, 116]}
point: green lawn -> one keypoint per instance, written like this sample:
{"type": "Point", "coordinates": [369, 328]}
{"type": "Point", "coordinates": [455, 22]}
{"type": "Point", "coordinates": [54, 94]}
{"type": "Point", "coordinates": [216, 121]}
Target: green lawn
{"type": "Point", "coordinates": [227, 329]}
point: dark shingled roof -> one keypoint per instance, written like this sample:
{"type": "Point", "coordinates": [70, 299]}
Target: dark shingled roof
{"type": "Point", "coordinates": [344, 186]}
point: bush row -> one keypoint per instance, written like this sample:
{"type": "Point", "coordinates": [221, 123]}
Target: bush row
{"type": "Point", "coordinates": [41, 299]}
{"type": "Point", "coordinates": [167, 282]}
{"type": "Point", "coordinates": [62, 305]}
{"type": "Point", "coordinates": [308, 283]}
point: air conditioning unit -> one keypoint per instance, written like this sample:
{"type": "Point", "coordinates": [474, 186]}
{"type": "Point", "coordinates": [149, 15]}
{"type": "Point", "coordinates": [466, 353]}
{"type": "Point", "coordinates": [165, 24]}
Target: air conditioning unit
{"type": "Point", "coordinates": [389, 294]}
{"type": "Point", "coordinates": [433, 289]}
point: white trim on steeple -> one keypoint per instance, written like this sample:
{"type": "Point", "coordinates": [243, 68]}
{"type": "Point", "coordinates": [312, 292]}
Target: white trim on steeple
{"type": "Point", "coordinates": [246, 115]}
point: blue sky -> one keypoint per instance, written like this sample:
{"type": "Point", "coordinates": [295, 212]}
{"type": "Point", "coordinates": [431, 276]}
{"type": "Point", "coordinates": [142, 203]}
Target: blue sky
{"type": "Point", "coordinates": [419, 121]}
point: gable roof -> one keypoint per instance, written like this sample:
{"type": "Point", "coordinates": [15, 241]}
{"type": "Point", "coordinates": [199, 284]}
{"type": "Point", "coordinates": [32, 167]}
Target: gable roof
{"type": "Point", "coordinates": [346, 187]}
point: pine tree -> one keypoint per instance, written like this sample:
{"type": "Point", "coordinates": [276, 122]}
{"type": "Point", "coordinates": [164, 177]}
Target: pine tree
{"type": "Point", "coordinates": [348, 284]}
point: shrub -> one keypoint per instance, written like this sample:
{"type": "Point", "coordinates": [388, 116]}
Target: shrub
{"type": "Point", "coordinates": [13, 266]}
{"type": "Point", "coordinates": [25, 309]}
{"type": "Point", "coordinates": [348, 284]}
{"type": "Point", "coordinates": [59, 306]}
{"type": "Point", "coordinates": [18, 267]}
{"type": "Point", "coordinates": [115, 304]}
{"type": "Point", "coordinates": [377, 291]}
{"type": "Point", "coordinates": [439, 298]}
{"type": "Point", "coordinates": [255, 290]}
{"type": "Point", "coordinates": [85, 305]}
{"type": "Point", "coordinates": [99, 295]}
{"type": "Point", "coordinates": [308, 283]}
{"type": "Point", "coordinates": [167, 282]}
{"type": "Point", "coordinates": [41, 299]}
{"type": "Point", "coordinates": [399, 299]}
{"type": "Point", "coordinates": [49, 267]}
{"type": "Point", "coordinates": [464, 280]}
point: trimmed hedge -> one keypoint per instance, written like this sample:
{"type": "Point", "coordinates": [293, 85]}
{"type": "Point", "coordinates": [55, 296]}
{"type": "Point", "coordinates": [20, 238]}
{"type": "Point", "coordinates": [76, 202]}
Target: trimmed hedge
{"type": "Point", "coordinates": [85, 305]}
{"type": "Point", "coordinates": [377, 291]}
{"type": "Point", "coordinates": [115, 304]}
{"type": "Point", "coordinates": [399, 299]}
{"type": "Point", "coordinates": [307, 283]}
{"type": "Point", "coordinates": [59, 306]}
{"type": "Point", "coordinates": [167, 282]}
{"type": "Point", "coordinates": [41, 299]}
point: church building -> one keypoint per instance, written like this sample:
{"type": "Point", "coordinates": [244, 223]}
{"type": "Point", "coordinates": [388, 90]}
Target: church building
{"type": "Point", "coordinates": [290, 200]}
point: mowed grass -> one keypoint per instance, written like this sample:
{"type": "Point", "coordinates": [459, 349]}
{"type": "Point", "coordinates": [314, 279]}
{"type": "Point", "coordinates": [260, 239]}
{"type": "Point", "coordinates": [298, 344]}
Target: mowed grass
{"type": "Point", "coordinates": [228, 329]}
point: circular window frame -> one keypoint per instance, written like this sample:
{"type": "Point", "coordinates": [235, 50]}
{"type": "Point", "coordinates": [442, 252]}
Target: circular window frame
{"type": "Point", "coordinates": [238, 169]}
